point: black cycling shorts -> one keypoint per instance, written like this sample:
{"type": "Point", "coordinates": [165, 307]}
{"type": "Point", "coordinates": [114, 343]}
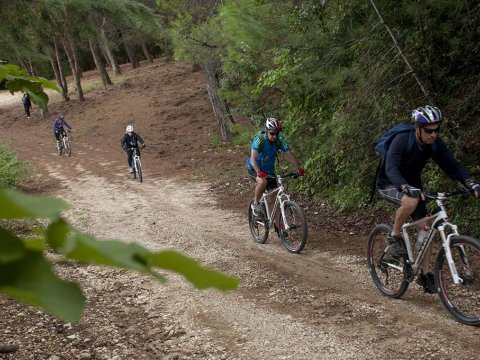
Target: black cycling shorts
{"type": "Point", "coordinates": [271, 183]}
{"type": "Point", "coordinates": [392, 194]}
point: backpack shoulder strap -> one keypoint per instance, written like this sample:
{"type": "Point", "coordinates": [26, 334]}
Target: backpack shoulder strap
{"type": "Point", "coordinates": [262, 140]}
{"type": "Point", "coordinates": [411, 141]}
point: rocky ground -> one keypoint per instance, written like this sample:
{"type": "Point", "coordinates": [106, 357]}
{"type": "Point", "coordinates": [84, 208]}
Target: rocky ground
{"type": "Point", "coordinates": [321, 304]}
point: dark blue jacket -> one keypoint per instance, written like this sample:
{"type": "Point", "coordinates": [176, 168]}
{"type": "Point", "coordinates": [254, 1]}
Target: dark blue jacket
{"type": "Point", "coordinates": [404, 167]}
{"type": "Point", "coordinates": [131, 141]}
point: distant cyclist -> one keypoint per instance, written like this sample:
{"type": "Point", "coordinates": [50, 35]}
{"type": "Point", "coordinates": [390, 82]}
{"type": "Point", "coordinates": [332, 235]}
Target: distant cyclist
{"type": "Point", "coordinates": [399, 176]}
{"type": "Point", "coordinates": [27, 104]}
{"type": "Point", "coordinates": [131, 140]}
{"type": "Point", "coordinates": [263, 153]}
{"type": "Point", "coordinates": [59, 130]}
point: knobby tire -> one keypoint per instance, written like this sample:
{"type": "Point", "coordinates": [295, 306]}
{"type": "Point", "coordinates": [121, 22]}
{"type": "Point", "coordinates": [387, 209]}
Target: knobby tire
{"type": "Point", "coordinates": [258, 228]}
{"type": "Point", "coordinates": [387, 272]}
{"type": "Point", "coordinates": [294, 238]}
{"type": "Point", "coordinates": [461, 300]}
{"type": "Point", "coordinates": [139, 170]}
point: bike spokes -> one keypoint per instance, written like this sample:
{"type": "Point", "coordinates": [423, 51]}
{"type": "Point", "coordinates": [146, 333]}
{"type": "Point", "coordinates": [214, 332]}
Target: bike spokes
{"type": "Point", "coordinates": [388, 272]}
{"type": "Point", "coordinates": [461, 300]}
{"type": "Point", "coordinates": [257, 224]}
{"type": "Point", "coordinates": [293, 227]}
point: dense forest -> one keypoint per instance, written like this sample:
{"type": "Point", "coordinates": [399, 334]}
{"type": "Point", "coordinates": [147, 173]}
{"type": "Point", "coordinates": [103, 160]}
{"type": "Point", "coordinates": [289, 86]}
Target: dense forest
{"type": "Point", "coordinates": [337, 73]}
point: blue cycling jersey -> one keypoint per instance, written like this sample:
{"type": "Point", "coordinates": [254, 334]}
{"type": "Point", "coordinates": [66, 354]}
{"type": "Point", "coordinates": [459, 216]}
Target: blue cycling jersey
{"type": "Point", "coordinates": [266, 158]}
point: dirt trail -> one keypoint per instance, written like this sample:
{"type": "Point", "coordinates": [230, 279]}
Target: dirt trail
{"type": "Point", "coordinates": [317, 305]}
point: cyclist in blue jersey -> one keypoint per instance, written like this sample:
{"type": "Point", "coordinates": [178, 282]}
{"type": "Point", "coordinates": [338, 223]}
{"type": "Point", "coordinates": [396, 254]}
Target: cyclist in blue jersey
{"type": "Point", "coordinates": [58, 129]}
{"type": "Point", "coordinates": [128, 141]}
{"type": "Point", "coordinates": [261, 162]}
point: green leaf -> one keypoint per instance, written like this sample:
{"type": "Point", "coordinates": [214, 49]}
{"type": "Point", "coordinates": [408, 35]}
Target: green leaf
{"type": "Point", "coordinates": [86, 249]}
{"type": "Point", "coordinates": [57, 233]}
{"type": "Point", "coordinates": [35, 244]}
{"type": "Point", "coordinates": [16, 205]}
{"type": "Point", "coordinates": [199, 276]}
{"type": "Point", "coordinates": [32, 280]}
{"type": "Point", "coordinates": [11, 247]}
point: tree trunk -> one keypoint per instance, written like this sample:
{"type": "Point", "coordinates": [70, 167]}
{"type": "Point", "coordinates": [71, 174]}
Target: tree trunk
{"type": "Point", "coordinates": [130, 51]}
{"type": "Point", "coordinates": [26, 66]}
{"type": "Point", "coordinates": [220, 107]}
{"type": "Point", "coordinates": [71, 55]}
{"type": "Point", "coordinates": [33, 70]}
{"type": "Point", "coordinates": [54, 64]}
{"type": "Point", "coordinates": [99, 64]}
{"type": "Point", "coordinates": [147, 53]}
{"type": "Point", "coordinates": [400, 50]}
{"type": "Point", "coordinates": [63, 80]}
{"type": "Point", "coordinates": [105, 56]}
{"type": "Point", "coordinates": [111, 56]}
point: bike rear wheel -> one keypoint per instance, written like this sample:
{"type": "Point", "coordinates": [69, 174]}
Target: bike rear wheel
{"type": "Point", "coordinates": [388, 272]}
{"type": "Point", "coordinates": [257, 225]}
{"type": "Point", "coordinates": [461, 300]}
{"type": "Point", "coordinates": [139, 170]}
{"type": "Point", "coordinates": [293, 229]}
{"type": "Point", "coordinates": [67, 150]}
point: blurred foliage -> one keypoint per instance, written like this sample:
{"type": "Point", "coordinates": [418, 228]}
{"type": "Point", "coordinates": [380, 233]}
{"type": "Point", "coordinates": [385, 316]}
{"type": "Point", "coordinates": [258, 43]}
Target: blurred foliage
{"type": "Point", "coordinates": [12, 170]}
{"type": "Point", "coordinates": [27, 275]}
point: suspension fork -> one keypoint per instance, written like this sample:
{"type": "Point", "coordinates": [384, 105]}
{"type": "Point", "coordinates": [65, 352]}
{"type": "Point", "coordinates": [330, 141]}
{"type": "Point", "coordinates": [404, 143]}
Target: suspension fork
{"type": "Point", "coordinates": [282, 198]}
{"type": "Point", "coordinates": [448, 253]}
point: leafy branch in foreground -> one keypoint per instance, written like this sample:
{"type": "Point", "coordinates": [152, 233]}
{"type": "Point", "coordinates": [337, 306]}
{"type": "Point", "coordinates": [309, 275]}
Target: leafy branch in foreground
{"type": "Point", "coordinates": [27, 275]}
{"type": "Point", "coordinates": [14, 79]}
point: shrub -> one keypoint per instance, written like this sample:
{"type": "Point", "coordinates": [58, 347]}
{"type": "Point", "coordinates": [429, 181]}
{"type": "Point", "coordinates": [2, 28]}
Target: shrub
{"type": "Point", "coordinates": [12, 170]}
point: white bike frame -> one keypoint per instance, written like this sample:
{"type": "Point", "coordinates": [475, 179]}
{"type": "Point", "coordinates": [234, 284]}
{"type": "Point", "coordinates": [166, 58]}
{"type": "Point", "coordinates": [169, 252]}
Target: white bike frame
{"type": "Point", "coordinates": [281, 197]}
{"type": "Point", "coordinates": [439, 224]}
{"type": "Point", "coordinates": [64, 140]}
{"type": "Point", "coordinates": [135, 157]}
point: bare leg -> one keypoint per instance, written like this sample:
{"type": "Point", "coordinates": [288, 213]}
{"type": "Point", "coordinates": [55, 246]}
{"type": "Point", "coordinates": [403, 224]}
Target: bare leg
{"type": "Point", "coordinates": [260, 188]}
{"type": "Point", "coordinates": [407, 207]}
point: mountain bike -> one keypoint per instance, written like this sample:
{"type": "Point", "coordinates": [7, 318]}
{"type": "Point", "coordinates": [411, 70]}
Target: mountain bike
{"type": "Point", "coordinates": [457, 264]}
{"type": "Point", "coordinates": [290, 223]}
{"type": "Point", "coordinates": [137, 164]}
{"type": "Point", "coordinates": [64, 146]}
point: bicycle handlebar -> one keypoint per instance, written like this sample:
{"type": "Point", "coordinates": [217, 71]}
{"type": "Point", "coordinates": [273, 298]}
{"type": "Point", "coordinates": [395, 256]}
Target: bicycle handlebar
{"type": "Point", "coordinates": [280, 176]}
{"type": "Point", "coordinates": [464, 192]}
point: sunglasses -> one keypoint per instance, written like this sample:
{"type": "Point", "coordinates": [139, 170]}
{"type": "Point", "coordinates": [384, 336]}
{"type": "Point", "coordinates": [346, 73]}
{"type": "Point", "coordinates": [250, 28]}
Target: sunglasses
{"type": "Point", "coordinates": [273, 133]}
{"type": "Point", "coordinates": [431, 131]}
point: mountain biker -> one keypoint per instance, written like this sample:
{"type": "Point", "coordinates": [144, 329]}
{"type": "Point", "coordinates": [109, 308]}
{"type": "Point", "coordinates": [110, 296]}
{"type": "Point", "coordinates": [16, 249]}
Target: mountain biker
{"type": "Point", "coordinates": [27, 104]}
{"type": "Point", "coordinates": [130, 140]}
{"type": "Point", "coordinates": [262, 163]}
{"type": "Point", "coordinates": [399, 176]}
{"type": "Point", "coordinates": [58, 129]}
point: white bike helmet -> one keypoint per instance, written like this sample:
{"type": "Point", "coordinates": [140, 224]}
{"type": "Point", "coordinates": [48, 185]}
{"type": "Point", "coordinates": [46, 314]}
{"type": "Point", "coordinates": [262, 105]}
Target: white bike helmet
{"type": "Point", "coordinates": [273, 124]}
{"type": "Point", "coordinates": [426, 115]}
{"type": "Point", "coordinates": [129, 128]}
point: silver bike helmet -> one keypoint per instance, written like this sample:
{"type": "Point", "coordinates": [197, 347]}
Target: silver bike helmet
{"type": "Point", "coordinates": [426, 115]}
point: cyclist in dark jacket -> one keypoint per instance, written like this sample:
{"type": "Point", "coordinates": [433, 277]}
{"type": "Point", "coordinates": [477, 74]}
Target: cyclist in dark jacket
{"type": "Point", "coordinates": [399, 177]}
{"type": "Point", "coordinates": [131, 140]}
{"type": "Point", "coordinates": [27, 104]}
{"type": "Point", "coordinates": [59, 130]}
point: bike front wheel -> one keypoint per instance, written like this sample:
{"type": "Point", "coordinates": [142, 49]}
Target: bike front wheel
{"type": "Point", "coordinates": [461, 300]}
{"type": "Point", "coordinates": [258, 225]}
{"type": "Point", "coordinates": [293, 227]}
{"type": "Point", "coordinates": [67, 150]}
{"type": "Point", "coordinates": [139, 170]}
{"type": "Point", "coordinates": [388, 272]}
